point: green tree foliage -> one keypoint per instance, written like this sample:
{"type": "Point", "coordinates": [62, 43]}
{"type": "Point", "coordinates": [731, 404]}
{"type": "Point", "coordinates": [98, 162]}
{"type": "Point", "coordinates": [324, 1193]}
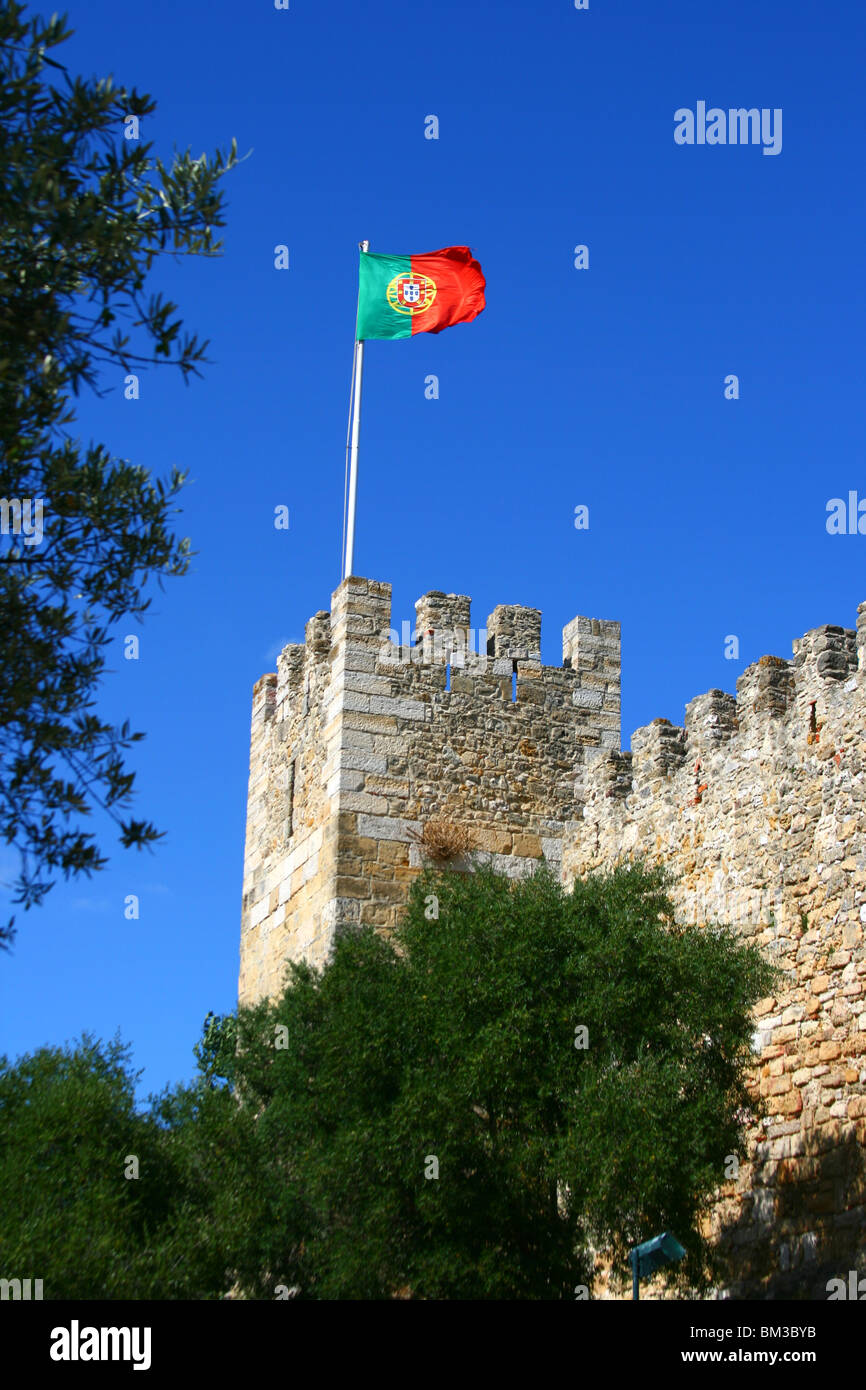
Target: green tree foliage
{"type": "Point", "coordinates": [455, 1041]}
{"type": "Point", "coordinates": [414, 1120]}
{"type": "Point", "coordinates": [73, 1212]}
{"type": "Point", "coordinates": [84, 213]}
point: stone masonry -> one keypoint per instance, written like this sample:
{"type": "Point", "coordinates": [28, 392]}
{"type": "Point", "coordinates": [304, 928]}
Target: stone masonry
{"type": "Point", "coordinates": [358, 740]}
{"type": "Point", "coordinates": [757, 805]}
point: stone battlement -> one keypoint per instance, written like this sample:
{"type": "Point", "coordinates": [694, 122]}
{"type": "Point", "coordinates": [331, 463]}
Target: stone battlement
{"type": "Point", "coordinates": [777, 700]}
{"type": "Point", "coordinates": [757, 805]}
{"type": "Point", "coordinates": [359, 739]}
{"type": "Point", "coordinates": [442, 636]}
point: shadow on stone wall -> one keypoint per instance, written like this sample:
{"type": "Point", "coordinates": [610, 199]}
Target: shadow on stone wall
{"type": "Point", "coordinates": [801, 1222]}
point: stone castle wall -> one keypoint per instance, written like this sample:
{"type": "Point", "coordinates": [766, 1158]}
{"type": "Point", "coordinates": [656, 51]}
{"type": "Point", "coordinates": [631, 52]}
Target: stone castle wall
{"type": "Point", "coordinates": [290, 852]}
{"type": "Point", "coordinates": [357, 741]}
{"type": "Point", "coordinates": [757, 804]}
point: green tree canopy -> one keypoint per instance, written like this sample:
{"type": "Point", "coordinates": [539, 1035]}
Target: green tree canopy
{"type": "Point", "coordinates": [99, 1199]}
{"type": "Point", "coordinates": [84, 213]}
{"type": "Point", "coordinates": [503, 1098]}
{"type": "Point", "coordinates": [437, 1123]}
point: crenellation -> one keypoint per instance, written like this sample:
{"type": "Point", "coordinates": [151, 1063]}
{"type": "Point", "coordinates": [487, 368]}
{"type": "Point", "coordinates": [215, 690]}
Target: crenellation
{"type": "Point", "coordinates": [757, 808]}
{"type": "Point", "coordinates": [514, 633]}
{"type": "Point", "coordinates": [757, 805]}
{"type": "Point", "coordinates": [710, 720]}
{"type": "Point", "coordinates": [265, 697]}
{"type": "Point", "coordinates": [360, 615]}
{"type": "Point", "coordinates": [317, 636]}
{"type": "Point", "coordinates": [825, 659]}
{"type": "Point", "coordinates": [373, 732]}
{"type": "Point", "coordinates": [292, 675]}
{"type": "Point", "coordinates": [592, 644]}
{"type": "Point", "coordinates": [658, 750]}
{"type": "Point", "coordinates": [861, 636]}
{"type": "Point", "coordinates": [765, 688]}
{"type": "Point", "coordinates": [612, 776]}
{"type": "Point", "coordinates": [826, 653]}
{"type": "Point", "coordinates": [442, 626]}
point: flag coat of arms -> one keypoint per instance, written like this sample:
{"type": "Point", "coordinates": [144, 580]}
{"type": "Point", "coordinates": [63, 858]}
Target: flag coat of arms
{"type": "Point", "coordinates": [399, 296]}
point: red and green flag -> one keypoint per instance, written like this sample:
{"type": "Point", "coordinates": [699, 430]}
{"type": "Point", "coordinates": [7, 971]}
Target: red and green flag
{"type": "Point", "coordinates": [399, 296]}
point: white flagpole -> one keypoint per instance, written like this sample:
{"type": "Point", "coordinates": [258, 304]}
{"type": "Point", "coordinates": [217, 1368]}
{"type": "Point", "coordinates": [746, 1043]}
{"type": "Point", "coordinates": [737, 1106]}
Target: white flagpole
{"type": "Point", "coordinates": [353, 454]}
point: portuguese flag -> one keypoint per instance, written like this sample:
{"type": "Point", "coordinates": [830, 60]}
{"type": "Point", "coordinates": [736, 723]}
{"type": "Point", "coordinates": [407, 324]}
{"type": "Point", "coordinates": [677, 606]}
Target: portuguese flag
{"type": "Point", "coordinates": [399, 296]}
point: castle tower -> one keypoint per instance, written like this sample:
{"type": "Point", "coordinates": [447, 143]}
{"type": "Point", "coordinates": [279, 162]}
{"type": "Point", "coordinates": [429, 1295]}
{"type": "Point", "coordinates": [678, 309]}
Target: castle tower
{"type": "Point", "coordinates": [756, 804]}
{"type": "Point", "coordinates": [361, 737]}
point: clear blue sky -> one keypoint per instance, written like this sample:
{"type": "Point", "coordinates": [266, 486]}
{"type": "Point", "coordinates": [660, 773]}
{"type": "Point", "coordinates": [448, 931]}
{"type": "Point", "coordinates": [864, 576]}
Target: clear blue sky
{"type": "Point", "coordinates": [602, 387]}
